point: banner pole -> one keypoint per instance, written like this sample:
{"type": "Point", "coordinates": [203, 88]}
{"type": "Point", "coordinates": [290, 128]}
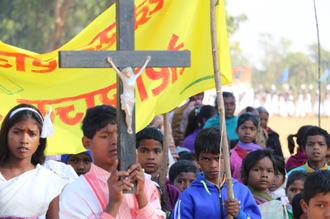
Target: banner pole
{"type": "Point", "coordinates": [166, 144]}
{"type": "Point", "coordinates": [218, 85]}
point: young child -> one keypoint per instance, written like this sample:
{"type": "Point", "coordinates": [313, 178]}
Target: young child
{"type": "Point", "coordinates": [207, 196]}
{"type": "Point", "coordinates": [196, 120]}
{"type": "Point", "coordinates": [247, 126]}
{"type": "Point", "coordinates": [149, 145]}
{"type": "Point", "coordinates": [27, 189]}
{"type": "Point", "coordinates": [99, 193]}
{"type": "Point", "coordinates": [182, 174]}
{"type": "Point", "coordinates": [81, 162]}
{"type": "Point", "coordinates": [294, 185]}
{"type": "Point", "coordinates": [316, 202]}
{"type": "Point", "coordinates": [277, 190]}
{"type": "Point", "coordinates": [190, 157]}
{"type": "Point", "coordinates": [258, 173]}
{"type": "Point", "coordinates": [298, 213]}
{"type": "Point", "coordinates": [316, 143]}
{"type": "Point", "coordinates": [299, 158]}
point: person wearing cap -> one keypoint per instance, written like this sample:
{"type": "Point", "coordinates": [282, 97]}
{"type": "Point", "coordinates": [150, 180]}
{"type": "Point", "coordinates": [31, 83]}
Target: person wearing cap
{"type": "Point", "coordinates": [81, 162]}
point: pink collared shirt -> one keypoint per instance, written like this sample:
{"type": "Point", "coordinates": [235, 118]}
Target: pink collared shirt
{"type": "Point", "coordinates": [80, 201]}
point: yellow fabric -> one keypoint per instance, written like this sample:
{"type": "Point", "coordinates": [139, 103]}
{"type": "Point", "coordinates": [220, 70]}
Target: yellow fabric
{"type": "Point", "coordinates": [27, 77]}
{"type": "Point", "coordinates": [311, 170]}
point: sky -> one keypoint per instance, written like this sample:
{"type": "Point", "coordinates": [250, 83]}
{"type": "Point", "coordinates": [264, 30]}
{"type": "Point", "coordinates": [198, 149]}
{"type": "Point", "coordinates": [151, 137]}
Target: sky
{"type": "Point", "coordinates": [291, 19]}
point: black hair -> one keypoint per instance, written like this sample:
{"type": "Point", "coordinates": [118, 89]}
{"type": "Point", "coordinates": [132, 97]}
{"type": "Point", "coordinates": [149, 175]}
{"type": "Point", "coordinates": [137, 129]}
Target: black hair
{"type": "Point", "coordinates": [38, 157]}
{"type": "Point", "coordinates": [316, 182]}
{"type": "Point", "coordinates": [97, 118]}
{"type": "Point", "coordinates": [196, 116]}
{"type": "Point", "coordinates": [225, 94]}
{"type": "Point", "coordinates": [192, 124]}
{"type": "Point", "coordinates": [248, 116]}
{"type": "Point", "coordinates": [188, 155]}
{"type": "Point", "coordinates": [316, 131]}
{"type": "Point", "coordinates": [250, 109]}
{"type": "Point", "coordinates": [208, 141]}
{"type": "Point", "coordinates": [296, 207]}
{"type": "Point", "coordinates": [182, 166]}
{"type": "Point", "coordinates": [252, 158]}
{"type": "Point", "coordinates": [299, 136]}
{"type": "Point", "coordinates": [206, 111]}
{"type": "Point", "coordinates": [261, 109]}
{"type": "Point", "coordinates": [149, 133]}
{"type": "Point", "coordinates": [280, 163]}
{"type": "Point", "coordinates": [296, 175]}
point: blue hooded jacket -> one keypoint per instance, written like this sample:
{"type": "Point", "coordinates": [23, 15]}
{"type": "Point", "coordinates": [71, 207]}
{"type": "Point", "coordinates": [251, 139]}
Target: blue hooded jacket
{"type": "Point", "coordinates": [202, 200]}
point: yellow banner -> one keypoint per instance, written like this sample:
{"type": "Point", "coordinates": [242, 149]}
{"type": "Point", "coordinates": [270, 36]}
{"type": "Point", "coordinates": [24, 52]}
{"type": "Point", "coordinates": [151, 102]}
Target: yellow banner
{"type": "Point", "coordinates": [27, 77]}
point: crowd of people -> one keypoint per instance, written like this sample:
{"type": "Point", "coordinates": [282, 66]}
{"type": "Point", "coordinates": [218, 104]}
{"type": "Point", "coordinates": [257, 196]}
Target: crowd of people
{"type": "Point", "coordinates": [286, 105]}
{"type": "Point", "coordinates": [88, 184]}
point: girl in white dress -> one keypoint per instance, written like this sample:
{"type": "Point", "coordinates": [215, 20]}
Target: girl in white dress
{"type": "Point", "coordinates": [27, 189]}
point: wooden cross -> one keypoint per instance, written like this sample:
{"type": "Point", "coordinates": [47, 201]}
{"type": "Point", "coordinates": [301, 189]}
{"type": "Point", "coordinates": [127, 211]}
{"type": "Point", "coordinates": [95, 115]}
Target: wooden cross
{"type": "Point", "coordinates": [125, 56]}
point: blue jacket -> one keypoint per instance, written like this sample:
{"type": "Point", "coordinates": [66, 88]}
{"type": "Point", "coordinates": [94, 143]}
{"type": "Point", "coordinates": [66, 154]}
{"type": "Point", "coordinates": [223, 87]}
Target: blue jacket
{"type": "Point", "coordinates": [202, 200]}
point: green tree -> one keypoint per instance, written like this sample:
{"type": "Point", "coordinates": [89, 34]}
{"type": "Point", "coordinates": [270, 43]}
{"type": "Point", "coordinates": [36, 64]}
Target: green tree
{"type": "Point", "coordinates": [45, 25]}
{"type": "Point", "coordinates": [277, 56]}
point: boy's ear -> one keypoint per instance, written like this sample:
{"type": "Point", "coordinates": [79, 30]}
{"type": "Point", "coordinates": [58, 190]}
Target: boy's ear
{"type": "Point", "coordinates": [304, 206]}
{"type": "Point", "coordinates": [86, 142]}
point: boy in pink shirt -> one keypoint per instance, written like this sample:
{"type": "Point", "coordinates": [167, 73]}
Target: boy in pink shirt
{"type": "Point", "coordinates": [98, 194]}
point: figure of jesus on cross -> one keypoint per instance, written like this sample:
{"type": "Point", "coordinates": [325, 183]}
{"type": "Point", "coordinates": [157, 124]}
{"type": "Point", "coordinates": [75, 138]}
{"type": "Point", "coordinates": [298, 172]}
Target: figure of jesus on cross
{"type": "Point", "coordinates": [127, 98]}
{"type": "Point", "coordinates": [126, 59]}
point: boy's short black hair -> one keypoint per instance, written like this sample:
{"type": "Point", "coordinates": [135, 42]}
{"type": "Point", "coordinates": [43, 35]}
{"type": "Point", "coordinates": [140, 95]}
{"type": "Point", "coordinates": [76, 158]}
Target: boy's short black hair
{"type": "Point", "coordinates": [97, 118]}
{"type": "Point", "coordinates": [149, 133]}
{"type": "Point", "coordinates": [316, 182]}
{"type": "Point", "coordinates": [182, 166]}
{"type": "Point", "coordinates": [208, 141]}
{"type": "Point", "coordinates": [252, 158]}
{"type": "Point", "coordinates": [296, 175]}
{"type": "Point", "coordinates": [187, 155]}
{"type": "Point", "coordinates": [280, 163]}
{"type": "Point", "coordinates": [296, 207]}
{"type": "Point", "coordinates": [316, 131]}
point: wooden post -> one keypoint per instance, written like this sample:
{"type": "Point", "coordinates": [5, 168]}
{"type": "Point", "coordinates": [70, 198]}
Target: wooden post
{"type": "Point", "coordinates": [218, 85]}
{"type": "Point", "coordinates": [319, 65]}
{"type": "Point", "coordinates": [166, 144]}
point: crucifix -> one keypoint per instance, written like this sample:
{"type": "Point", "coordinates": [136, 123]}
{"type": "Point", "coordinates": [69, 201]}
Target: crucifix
{"type": "Point", "coordinates": [125, 56]}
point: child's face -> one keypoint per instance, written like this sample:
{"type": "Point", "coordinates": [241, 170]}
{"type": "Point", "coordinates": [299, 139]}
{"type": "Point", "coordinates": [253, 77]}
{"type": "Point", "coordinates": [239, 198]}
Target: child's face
{"type": "Point", "coordinates": [318, 207]}
{"type": "Point", "coordinates": [210, 166]}
{"type": "Point", "coordinates": [316, 148]}
{"type": "Point", "coordinates": [247, 132]}
{"type": "Point", "coordinates": [184, 179]}
{"type": "Point", "coordinates": [23, 139]}
{"type": "Point", "coordinates": [81, 163]}
{"type": "Point", "coordinates": [278, 182]}
{"type": "Point", "coordinates": [103, 146]}
{"type": "Point", "coordinates": [150, 154]}
{"type": "Point", "coordinates": [296, 187]}
{"type": "Point", "coordinates": [327, 158]}
{"type": "Point", "coordinates": [263, 119]}
{"type": "Point", "coordinates": [261, 175]}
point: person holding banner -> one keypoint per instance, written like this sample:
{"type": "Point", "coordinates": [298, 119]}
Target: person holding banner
{"type": "Point", "coordinates": [27, 189]}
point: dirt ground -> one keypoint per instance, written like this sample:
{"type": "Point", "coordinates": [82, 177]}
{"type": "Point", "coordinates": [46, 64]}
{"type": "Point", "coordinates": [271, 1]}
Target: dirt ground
{"type": "Point", "coordinates": [286, 126]}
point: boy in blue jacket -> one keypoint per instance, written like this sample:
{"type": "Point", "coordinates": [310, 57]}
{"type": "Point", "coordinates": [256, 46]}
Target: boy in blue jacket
{"type": "Point", "coordinates": [207, 195]}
